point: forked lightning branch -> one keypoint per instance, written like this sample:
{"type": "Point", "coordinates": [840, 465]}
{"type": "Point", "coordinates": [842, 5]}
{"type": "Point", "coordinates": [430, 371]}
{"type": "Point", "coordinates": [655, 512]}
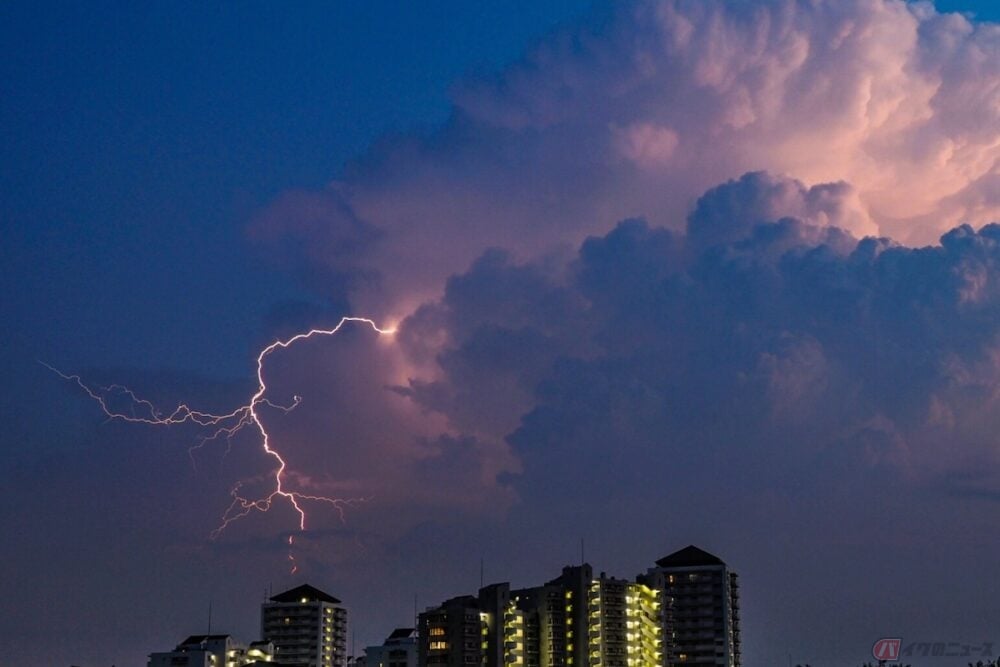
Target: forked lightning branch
{"type": "Point", "coordinates": [142, 411]}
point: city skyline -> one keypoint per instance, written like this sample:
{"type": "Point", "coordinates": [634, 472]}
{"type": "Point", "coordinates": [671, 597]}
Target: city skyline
{"type": "Point", "coordinates": [577, 618]}
{"type": "Point", "coordinates": [397, 297]}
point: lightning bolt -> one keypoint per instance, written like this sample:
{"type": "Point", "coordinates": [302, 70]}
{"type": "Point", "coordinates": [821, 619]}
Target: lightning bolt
{"type": "Point", "coordinates": [228, 425]}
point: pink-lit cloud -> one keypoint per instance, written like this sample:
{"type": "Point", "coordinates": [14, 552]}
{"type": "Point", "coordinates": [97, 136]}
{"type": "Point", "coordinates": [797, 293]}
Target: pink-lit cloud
{"type": "Point", "coordinates": [639, 116]}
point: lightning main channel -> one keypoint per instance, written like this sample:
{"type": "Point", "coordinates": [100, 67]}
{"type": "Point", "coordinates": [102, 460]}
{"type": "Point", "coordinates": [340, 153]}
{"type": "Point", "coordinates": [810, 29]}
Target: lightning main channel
{"type": "Point", "coordinates": [228, 425]}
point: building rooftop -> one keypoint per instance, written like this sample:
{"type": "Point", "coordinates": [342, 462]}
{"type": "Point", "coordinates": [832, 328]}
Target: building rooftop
{"type": "Point", "coordinates": [306, 593]}
{"type": "Point", "coordinates": [198, 639]}
{"type": "Point", "coordinates": [401, 633]}
{"type": "Point", "coordinates": [689, 556]}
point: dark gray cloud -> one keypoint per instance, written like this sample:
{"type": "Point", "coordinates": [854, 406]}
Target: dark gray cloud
{"type": "Point", "coordinates": [764, 337]}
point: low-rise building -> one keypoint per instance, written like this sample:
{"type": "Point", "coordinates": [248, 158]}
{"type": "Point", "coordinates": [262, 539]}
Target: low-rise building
{"type": "Point", "coordinates": [398, 650]}
{"type": "Point", "coordinates": [214, 651]}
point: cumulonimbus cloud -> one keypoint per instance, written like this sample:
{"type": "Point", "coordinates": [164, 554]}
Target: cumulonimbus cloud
{"type": "Point", "coordinates": [760, 336]}
{"type": "Point", "coordinates": [638, 114]}
{"type": "Point", "coordinates": [750, 307]}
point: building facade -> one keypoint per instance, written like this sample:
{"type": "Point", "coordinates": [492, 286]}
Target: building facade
{"type": "Point", "coordinates": [550, 621]}
{"type": "Point", "coordinates": [685, 611]}
{"type": "Point", "coordinates": [307, 627]}
{"type": "Point", "coordinates": [572, 621]}
{"type": "Point", "coordinates": [701, 601]}
{"type": "Point", "coordinates": [625, 624]}
{"type": "Point", "coordinates": [453, 634]}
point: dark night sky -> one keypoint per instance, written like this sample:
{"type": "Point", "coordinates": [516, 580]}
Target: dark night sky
{"type": "Point", "coordinates": [622, 248]}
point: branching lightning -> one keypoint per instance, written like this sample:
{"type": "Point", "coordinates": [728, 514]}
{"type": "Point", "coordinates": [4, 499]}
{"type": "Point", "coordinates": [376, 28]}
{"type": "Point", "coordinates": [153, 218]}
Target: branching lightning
{"type": "Point", "coordinates": [228, 425]}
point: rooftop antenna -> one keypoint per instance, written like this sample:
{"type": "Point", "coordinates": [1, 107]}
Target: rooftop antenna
{"type": "Point", "coordinates": [210, 617]}
{"type": "Point", "coordinates": [481, 580]}
{"type": "Point", "coordinates": [583, 559]}
{"type": "Point", "coordinates": [416, 616]}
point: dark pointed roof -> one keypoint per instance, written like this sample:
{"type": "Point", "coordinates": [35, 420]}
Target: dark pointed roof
{"type": "Point", "coordinates": [401, 633]}
{"type": "Point", "coordinates": [689, 556]}
{"type": "Point", "coordinates": [305, 591]}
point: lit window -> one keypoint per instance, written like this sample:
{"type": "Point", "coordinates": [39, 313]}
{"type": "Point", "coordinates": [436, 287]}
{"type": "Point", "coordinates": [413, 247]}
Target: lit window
{"type": "Point", "coordinates": [437, 632]}
{"type": "Point", "coordinates": [439, 646]}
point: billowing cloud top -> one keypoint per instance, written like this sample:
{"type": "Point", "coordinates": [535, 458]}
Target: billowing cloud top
{"type": "Point", "coordinates": [638, 114]}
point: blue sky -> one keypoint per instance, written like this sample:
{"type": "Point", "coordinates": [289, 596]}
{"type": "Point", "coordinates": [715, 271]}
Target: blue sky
{"type": "Point", "coordinates": [137, 141]}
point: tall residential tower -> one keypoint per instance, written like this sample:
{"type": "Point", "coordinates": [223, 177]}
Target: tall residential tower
{"type": "Point", "coordinates": [307, 627]}
{"type": "Point", "coordinates": [701, 600]}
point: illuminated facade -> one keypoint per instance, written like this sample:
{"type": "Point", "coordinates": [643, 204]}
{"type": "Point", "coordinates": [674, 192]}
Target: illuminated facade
{"type": "Point", "coordinates": [513, 636]}
{"type": "Point", "coordinates": [451, 635]}
{"type": "Point", "coordinates": [214, 651]}
{"type": "Point", "coordinates": [624, 624]}
{"type": "Point", "coordinates": [550, 621]}
{"type": "Point", "coordinates": [307, 627]}
{"type": "Point", "coordinates": [571, 621]}
{"type": "Point", "coordinates": [701, 620]}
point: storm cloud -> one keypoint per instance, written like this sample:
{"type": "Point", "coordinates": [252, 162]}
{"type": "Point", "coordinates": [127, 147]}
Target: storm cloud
{"type": "Point", "coordinates": [636, 113]}
{"type": "Point", "coordinates": [816, 348]}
